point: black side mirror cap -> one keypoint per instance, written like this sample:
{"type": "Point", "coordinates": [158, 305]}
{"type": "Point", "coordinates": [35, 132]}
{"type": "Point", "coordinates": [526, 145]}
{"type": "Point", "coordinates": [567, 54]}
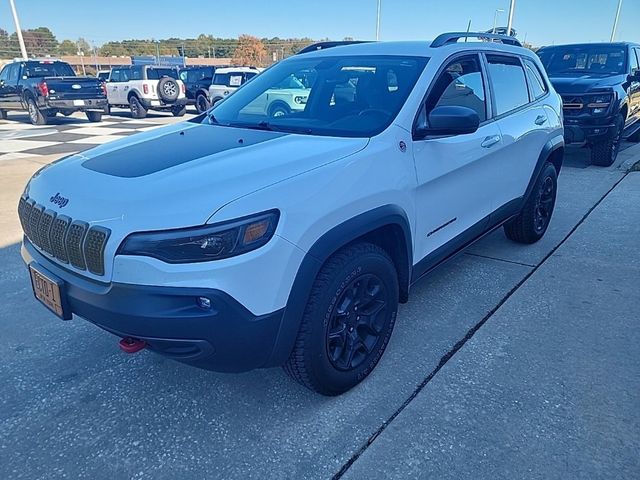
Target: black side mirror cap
{"type": "Point", "coordinates": [449, 120]}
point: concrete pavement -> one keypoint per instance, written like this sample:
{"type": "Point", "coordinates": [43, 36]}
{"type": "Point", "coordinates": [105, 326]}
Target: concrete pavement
{"type": "Point", "coordinates": [73, 405]}
{"type": "Point", "coordinates": [550, 386]}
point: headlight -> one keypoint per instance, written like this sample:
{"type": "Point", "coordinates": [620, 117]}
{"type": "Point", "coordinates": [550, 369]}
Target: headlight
{"type": "Point", "coordinates": [600, 103]}
{"type": "Point", "coordinates": [205, 243]}
{"type": "Point", "coordinates": [300, 100]}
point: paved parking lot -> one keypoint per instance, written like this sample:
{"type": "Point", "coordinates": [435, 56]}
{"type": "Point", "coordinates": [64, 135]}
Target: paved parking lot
{"type": "Point", "coordinates": [509, 362]}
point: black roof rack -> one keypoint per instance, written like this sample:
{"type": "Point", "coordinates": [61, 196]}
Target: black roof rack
{"type": "Point", "coordinates": [449, 38]}
{"type": "Point", "coordinates": [324, 45]}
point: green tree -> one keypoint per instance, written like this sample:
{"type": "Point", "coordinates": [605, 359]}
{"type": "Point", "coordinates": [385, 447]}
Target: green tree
{"type": "Point", "coordinates": [67, 47]}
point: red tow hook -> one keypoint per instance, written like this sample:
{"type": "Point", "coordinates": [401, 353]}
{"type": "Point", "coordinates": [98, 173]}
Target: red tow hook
{"type": "Point", "coordinates": [132, 345]}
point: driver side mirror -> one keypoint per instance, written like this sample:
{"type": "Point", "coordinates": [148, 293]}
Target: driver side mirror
{"type": "Point", "coordinates": [449, 120]}
{"type": "Point", "coordinates": [635, 76]}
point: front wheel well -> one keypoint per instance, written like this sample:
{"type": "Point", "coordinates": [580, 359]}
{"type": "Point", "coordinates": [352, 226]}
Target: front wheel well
{"type": "Point", "coordinates": [391, 238]}
{"type": "Point", "coordinates": [556, 158]}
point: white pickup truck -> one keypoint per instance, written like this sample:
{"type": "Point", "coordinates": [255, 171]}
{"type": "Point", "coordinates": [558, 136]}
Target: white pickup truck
{"type": "Point", "coordinates": [147, 87]}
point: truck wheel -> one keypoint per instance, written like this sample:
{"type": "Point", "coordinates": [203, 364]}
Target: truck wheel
{"type": "Point", "coordinates": [3, 114]}
{"type": "Point", "coordinates": [35, 115]}
{"type": "Point", "coordinates": [94, 116]}
{"type": "Point", "coordinates": [603, 154]}
{"type": "Point", "coordinates": [347, 322]}
{"type": "Point", "coordinates": [202, 103]}
{"type": "Point", "coordinates": [532, 222]}
{"type": "Point", "coordinates": [279, 109]}
{"type": "Point", "coordinates": [137, 110]}
{"type": "Point", "coordinates": [51, 113]}
{"type": "Point", "coordinates": [179, 111]}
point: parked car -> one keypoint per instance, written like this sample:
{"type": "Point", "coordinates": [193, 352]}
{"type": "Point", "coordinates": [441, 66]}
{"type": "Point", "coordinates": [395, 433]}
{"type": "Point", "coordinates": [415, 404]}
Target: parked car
{"type": "Point", "coordinates": [600, 88]}
{"type": "Point", "coordinates": [228, 80]}
{"type": "Point", "coordinates": [197, 81]}
{"type": "Point", "coordinates": [47, 87]}
{"type": "Point", "coordinates": [103, 75]}
{"type": "Point", "coordinates": [240, 240]}
{"type": "Point", "coordinates": [147, 87]}
{"type": "Point", "coordinates": [288, 96]}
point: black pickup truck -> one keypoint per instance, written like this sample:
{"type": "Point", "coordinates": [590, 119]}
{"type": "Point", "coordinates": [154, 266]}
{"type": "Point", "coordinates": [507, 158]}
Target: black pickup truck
{"type": "Point", "coordinates": [46, 87]}
{"type": "Point", "coordinates": [600, 88]}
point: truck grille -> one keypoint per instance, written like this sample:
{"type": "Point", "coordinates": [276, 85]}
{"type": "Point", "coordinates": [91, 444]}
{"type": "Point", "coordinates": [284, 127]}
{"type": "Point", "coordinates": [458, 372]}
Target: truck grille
{"type": "Point", "coordinates": [572, 105]}
{"type": "Point", "coordinates": [70, 241]}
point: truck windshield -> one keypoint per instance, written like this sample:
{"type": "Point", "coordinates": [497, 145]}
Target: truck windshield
{"type": "Point", "coordinates": [584, 59]}
{"type": "Point", "coordinates": [346, 96]}
{"type": "Point", "coordinates": [48, 69]}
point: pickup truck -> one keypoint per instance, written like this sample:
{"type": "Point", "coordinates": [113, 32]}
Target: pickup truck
{"type": "Point", "coordinates": [600, 88]}
{"type": "Point", "coordinates": [47, 87]}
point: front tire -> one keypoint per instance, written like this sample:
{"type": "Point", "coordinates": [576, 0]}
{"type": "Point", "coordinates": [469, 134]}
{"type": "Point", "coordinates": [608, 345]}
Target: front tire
{"type": "Point", "coordinates": [604, 154]}
{"type": "Point", "coordinates": [347, 322]}
{"type": "Point", "coordinates": [35, 115]}
{"type": "Point", "coordinates": [94, 116]}
{"type": "Point", "coordinates": [532, 222]}
{"type": "Point", "coordinates": [202, 103]}
{"type": "Point", "coordinates": [137, 110]}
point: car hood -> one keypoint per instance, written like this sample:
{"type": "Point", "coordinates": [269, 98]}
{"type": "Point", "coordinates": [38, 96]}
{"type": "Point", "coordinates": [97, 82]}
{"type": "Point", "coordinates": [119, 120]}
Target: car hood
{"type": "Point", "coordinates": [585, 83]}
{"type": "Point", "coordinates": [178, 176]}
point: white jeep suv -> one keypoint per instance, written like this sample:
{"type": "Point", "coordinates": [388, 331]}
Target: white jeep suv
{"type": "Point", "coordinates": [227, 80]}
{"type": "Point", "coordinates": [238, 240]}
{"type": "Point", "coordinates": [147, 87]}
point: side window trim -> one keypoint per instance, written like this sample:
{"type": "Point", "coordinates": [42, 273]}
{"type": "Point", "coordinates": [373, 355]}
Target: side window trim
{"type": "Point", "coordinates": [532, 97]}
{"type": "Point", "coordinates": [485, 81]}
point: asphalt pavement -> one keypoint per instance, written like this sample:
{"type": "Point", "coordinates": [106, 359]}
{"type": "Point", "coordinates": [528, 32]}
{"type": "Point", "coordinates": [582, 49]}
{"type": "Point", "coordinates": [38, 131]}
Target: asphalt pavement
{"type": "Point", "coordinates": [508, 362]}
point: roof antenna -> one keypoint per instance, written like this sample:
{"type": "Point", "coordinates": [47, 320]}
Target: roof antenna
{"type": "Point", "coordinates": [466, 39]}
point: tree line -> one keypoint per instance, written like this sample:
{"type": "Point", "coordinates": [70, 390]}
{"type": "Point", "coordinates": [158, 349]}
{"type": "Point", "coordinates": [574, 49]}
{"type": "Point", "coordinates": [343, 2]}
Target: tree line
{"type": "Point", "coordinates": [42, 41]}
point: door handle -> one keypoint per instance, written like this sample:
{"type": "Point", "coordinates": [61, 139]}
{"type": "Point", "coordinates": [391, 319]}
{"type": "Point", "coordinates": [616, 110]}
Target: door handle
{"type": "Point", "coordinates": [541, 120]}
{"type": "Point", "coordinates": [490, 141]}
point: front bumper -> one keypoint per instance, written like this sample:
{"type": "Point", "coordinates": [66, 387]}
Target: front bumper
{"type": "Point", "coordinates": [587, 129]}
{"type": "Point", "coordinates": [71, 105]}
{"type": "Point", "coordinates": [226, 337]}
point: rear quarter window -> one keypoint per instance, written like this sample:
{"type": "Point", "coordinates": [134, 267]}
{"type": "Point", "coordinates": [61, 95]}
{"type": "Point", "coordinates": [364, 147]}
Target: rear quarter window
{"type": "Point", "coordinates": [536, 80]}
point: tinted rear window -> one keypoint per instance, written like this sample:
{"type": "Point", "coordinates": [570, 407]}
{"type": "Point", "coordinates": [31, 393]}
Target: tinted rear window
{"type": "Point", "coordinates": [44, 69]}
{"type": "Point", "coordinates": [158, 73]}
{"type": "Point", "coordinates": [509, 83]}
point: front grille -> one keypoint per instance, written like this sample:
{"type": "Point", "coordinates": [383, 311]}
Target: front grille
{"type": "Point", "coordinates": [69, 241]}
{"type": "Point", "coordinates": [572, 105]}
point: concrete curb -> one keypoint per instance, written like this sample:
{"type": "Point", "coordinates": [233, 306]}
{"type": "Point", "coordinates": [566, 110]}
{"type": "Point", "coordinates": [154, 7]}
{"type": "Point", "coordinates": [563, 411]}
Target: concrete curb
{"type": "Point", "coordinates": [630, 156]}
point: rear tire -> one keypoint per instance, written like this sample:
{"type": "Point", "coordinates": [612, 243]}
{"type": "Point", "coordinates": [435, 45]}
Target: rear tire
{"type": "Point", "coordinates": [51, 113]}
{"type": "Point", "coordinates": [635, 138]}
{"type": "Point", "coordinates": [179, 111]}
{"type": "Point", "coordinates": [347, 322]}
{"type": "Point", "coordinates": [35, 115]}
{"type": "Point", "coordinates": [604, 154]}
{"type": "Point", "coordinates": [94, 116]}
{"type": "Point", "coordinates": [532, 222]}
{"type": "Point", "coordinates": [137, 110]}
{"type": "Point", "coordinates": [202, 103]}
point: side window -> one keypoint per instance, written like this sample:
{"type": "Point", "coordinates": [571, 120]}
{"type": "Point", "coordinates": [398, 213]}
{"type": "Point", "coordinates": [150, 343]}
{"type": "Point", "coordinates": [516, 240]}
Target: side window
{"type": "Point", "coordinates": [536, 81]}
{"type": "Point", "coordinates": [635, 59]}
{"type": "Point", "coordinates": [461, 84]}
{"type": "Point", "coordinates": [12, 74]}
{"type": "Point", "coordinates": [4, 73]}
{"type": "Point", "coordinates": [125, 74]}
{"type": "Point", "coordinates": [135, 73]}
{"type": "Point", "coordinates": [115, 75]}
{"type": "Point", "coordinates": [509, 83]}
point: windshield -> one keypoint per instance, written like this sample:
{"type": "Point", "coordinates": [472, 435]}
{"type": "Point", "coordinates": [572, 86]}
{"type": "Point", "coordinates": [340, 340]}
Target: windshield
{"type": "Point", "coordinates": [48, 69]}
{"type": "Point", "coordinates": [355, 96]}
{"type": "Point", "coordinates": [584, 59]}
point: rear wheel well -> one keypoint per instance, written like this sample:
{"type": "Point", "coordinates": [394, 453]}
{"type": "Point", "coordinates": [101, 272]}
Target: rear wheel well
{"type": "Point", "coordinates": [556, 158]}
{"type": "Point", "coordinates": [132, 94]}
{"type": "Point", "coordinates": [391, 239]}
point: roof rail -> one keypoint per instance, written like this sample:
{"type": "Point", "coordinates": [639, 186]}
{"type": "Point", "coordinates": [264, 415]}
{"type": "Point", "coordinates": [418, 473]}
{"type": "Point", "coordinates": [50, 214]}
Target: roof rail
{"type": "Point", "coordinates": [453, 37]}
{"type": "Point", "coordinates": [324, 45]}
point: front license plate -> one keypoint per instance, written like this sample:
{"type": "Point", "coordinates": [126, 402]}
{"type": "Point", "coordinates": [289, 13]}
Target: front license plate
{"type": "Point", "coordinates": [49, 292]}
{"type": "Point", "coordinates": [155, 103]}
{"type": "Point", "coordinates": [78, 103]}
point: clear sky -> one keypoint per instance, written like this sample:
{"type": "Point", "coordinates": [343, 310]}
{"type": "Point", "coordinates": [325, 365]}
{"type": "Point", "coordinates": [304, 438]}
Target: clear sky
{"type": "Point", "coordinates": [542, 21]}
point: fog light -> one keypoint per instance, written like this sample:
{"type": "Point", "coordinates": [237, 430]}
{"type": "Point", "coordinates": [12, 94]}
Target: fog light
{"type": "Point", "coordinates": [204, 302]}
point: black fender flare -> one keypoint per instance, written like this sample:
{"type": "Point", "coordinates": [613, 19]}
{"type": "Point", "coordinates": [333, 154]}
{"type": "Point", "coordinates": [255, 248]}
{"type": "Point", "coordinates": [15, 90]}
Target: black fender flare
{"type": "Point", "coordinates": [336, 238]}
{"type": "Point", "coordinates": [553, 148]}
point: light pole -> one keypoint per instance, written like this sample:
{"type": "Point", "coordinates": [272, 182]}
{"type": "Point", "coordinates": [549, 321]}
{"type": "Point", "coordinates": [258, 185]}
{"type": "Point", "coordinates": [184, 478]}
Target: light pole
{"type": "Point", "coordinates": [615, 22]}
{"type": "Point", "coordinates": [23, 49]}
{"type": "Point", "coordinates": [495, 19]}
{"type": "Point", "coordinates": [512, 7]}
{"type": "Point", "coordinates": [378, 21]}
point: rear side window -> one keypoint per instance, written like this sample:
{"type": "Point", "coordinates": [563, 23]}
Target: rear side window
{"type": "Point", "coordinates": [460, 85]}
{"type": "Point", "coordinates": [536, 81]}
{"type": "Point", "coordinates": [635, 60]}
{"type": "Point", "coordinates": [509, 83]}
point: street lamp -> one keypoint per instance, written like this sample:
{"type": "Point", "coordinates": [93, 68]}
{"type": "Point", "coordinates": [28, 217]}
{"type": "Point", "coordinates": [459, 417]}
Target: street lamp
{"type": "Point", "coordinates": [512, 7]}
{"type": "Point", "coordinates": [495, 19]}
{"type": "Point", "coordinates": [23, 49]}
{"type": "Point", "coordinates": [378, 21]}
{"type": "Point", "coordinates": [615, 22]}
